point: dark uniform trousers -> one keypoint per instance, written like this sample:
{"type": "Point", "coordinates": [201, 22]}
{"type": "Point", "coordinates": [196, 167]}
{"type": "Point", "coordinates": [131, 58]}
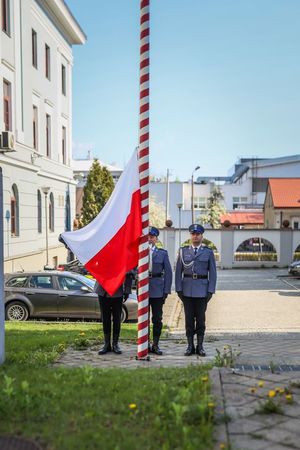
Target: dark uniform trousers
{"type": "Point", "coordinates": [194, 310]}
{"type": "Point", "coordinates": [156, 305]}
{"type": "Point", "coordinates": [111, 307]}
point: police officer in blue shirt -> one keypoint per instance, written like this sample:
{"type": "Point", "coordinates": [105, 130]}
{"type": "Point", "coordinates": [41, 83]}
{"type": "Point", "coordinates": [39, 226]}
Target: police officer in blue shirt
{"type": "Point", "coordinates": [160, 281]}
{"type": "Point", "coordinates": [195, 284]}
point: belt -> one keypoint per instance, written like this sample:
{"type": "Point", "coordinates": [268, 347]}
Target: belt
{"type": "Point", "coordinates": [195, 276]}
{"type": "Point", "coordinates": [156, 275]}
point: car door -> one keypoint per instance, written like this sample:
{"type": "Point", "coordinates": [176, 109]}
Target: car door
{"type": "Point", "coordinates": [73, 302]}
{"type": "Point", "coordinates": [43, 295]}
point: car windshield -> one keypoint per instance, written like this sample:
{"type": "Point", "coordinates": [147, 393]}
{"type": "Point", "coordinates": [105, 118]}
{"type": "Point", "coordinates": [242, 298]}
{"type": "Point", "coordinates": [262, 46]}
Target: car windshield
{"type": "Point", "coordinates": [90, 282]}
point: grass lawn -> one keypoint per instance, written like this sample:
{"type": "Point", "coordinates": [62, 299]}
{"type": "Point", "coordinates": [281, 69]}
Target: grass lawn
{"type": "Point", "coordinates": [87, 408]}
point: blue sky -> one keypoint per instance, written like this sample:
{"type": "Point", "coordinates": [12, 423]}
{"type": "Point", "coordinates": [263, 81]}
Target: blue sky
{"type": "Point", "coordinates": [225, 82]}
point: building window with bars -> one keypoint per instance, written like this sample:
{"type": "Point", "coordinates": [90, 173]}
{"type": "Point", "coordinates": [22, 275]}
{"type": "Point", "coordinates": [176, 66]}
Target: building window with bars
{"type": "Point", "coordinates": [48, 135]}
{"type": "Point", "coordinates": [34, 48]}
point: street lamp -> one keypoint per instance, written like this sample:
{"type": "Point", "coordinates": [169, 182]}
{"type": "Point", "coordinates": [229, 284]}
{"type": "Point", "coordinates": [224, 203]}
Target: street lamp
{"type": "Point", "coordinates": [192, 194]}
{"type": "Point", "coordinates": [179, 206]}
{"type": "Point", "coordinates": [46, 191]}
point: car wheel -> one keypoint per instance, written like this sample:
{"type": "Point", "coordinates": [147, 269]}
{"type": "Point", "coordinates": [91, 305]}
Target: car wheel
{"type": "Point", "coordinates": [123, 315]}
{"type": "Point", "coordinates": [16, 311]}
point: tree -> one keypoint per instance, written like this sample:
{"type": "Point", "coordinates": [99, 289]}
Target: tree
{"type": "Point", "coordinates": [157, 213]}
{"type": "Point", "coordinates": [96, 192]}
{"type": "Point", "coordinates": [215, 209]}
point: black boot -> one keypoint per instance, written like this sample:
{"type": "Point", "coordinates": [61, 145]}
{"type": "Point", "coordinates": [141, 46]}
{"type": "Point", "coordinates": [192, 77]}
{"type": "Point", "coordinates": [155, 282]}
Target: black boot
{"type": "Point", "coordinates": [155, 347]}
{"type": "Point", "coordinates": [106, 347]}
{"type": "Point", "coordinates": [200, 350]}
{"type": "Point", "coordinates": [190, 348]}
{"type": "Point", "coordinates": [115, 346]}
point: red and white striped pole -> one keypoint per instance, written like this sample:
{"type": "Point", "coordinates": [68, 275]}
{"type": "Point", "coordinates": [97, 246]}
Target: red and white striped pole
{"type": "Point", "coordinates": [143, 265]}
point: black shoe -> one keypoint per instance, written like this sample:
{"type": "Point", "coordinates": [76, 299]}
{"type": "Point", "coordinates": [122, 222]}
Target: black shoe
{"type": "Point", "coordinates": [105, 349]}
{"type": "Point", "coordinates": [116, 349]}
{"type": "Point", "coordinates": [155, 349]}
{"type": "Point", "coordinates": [190, 348]}
{"type": "Point", "coordinates": [200, 351]}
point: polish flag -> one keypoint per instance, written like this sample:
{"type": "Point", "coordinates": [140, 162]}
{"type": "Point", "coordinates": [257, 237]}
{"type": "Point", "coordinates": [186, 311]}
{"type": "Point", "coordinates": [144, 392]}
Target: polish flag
{"type": "Point", "coordinates": [108, 246]}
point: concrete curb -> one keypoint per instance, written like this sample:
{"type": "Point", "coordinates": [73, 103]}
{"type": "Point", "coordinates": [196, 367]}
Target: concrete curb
{"type": "Point", "coordinates": [220, 433]}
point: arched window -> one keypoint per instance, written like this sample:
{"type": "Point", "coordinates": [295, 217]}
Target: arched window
{"type": "Point", "coordinates": [67, 214]}
{"type": "Point", "coordinates": [39, 211]}
{"type": "Point", "coordinates": [51, 212]}
{"type": "Point", "coordinates": [14, 211]}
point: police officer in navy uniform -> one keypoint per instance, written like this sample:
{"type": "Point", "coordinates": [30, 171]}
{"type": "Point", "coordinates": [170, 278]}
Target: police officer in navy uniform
{"type": "Point", "coordinates": [195, 284]}
{"type": "Point", "coordinates": [111, 308]}
{"type": "Point", "coordinates": [160, 281]}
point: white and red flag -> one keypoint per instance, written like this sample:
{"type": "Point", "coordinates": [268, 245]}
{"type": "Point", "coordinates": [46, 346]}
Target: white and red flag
{"type": "Point", "coordinates": [108, 246]}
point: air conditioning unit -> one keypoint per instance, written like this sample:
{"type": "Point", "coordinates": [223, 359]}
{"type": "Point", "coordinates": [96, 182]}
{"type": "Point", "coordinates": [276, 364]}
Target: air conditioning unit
{"type": "Point", "coordinates": [7, 142]}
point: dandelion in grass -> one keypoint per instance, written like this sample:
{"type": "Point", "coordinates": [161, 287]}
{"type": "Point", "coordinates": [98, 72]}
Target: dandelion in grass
{"type": "Point", "coordinates": [132, 406]}
{"type": "Point", "coordinates": [211, 405]}
{"type": "Point", "coordinates": [82, 333]}
{"type": "Point", "coordinates": [289, 398]}
{"type": "Point", "coordinates": [271, 393]}
{"type": "Point", "coordinates": [222, 446]}
{"type": "Point", "coordinates": [204, 379]}
{"type": "Point", "coordinates": [281, 391]}
{"type": "Point", "coordinates": [261, 384]}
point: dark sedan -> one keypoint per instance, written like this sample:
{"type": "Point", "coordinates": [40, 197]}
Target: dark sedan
{"type": "Point", "coordinates": [54, 295]}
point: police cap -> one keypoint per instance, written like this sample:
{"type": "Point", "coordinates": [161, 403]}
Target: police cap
{"type": "Point", "coordinates": [153, 231]}
{"type": "Point", "coordinates": [196, 228]}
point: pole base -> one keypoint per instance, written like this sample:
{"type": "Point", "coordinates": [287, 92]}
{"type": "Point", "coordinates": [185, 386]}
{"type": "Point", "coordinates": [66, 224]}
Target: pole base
{"type": "Point", "coordinates": [145, 358]}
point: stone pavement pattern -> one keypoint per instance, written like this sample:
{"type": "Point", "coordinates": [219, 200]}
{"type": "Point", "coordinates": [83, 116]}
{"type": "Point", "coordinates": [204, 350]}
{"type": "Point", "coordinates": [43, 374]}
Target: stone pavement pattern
{"type": "Point", "coordinates": [241, 396]}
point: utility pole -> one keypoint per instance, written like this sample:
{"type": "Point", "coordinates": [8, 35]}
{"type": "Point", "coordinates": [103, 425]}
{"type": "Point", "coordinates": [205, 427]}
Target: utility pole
{"type": "Point", "coordinates": [167, 194]}
{"type": "Point", "coordinates": [192, 194]}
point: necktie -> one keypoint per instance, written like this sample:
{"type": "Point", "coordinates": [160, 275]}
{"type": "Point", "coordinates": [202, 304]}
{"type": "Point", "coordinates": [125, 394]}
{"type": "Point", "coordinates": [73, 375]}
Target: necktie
{"type": "Point", "coordinates": [195, 251]}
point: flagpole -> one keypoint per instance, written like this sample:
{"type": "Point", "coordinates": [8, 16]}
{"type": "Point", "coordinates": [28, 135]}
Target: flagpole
{"type": "Point", "coordinates": [143, 154]}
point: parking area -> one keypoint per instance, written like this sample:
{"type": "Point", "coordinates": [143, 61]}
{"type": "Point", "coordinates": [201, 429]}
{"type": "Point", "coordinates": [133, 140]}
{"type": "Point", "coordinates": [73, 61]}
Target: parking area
{"type": "Point", "coordinates": [253, 300]}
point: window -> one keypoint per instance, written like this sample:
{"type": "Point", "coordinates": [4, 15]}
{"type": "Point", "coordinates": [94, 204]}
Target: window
{"type": "Point", "coordinates": [14, 211]}
{"type": "Point", "coordinates": [48, 135]}
{"type": "Point", "coordinates": [35, 127]}
{"type": "Point", "coordinates": [69, 284]}
{"type": "Point", "coordinates": [19, 281]}
{"type": "Point", "coordinates": [63, 144]}
{"type": "Point", "coordinates": [39, 211]}
{"type": "Point", "coordinates": [41, 282]}
{"type": "Point", "coordinates": [47, 61]}
{"type": "Point", "coordinates": [63, 79]}
{"type": "Point", "coordinates": [296, 226]}
{"type": "Point", "coordinates": [7, 105]}
{"type": "Point", "coordinates": [67, 214]}
{"type": "Point", "coordinates": [6, 16]}
{"type": "Point", "coordinates": [51, 212]}
{"type": "Point", "coordinates": [34, 48]}
{"type": "Point", "coordinates": [238, 201]}
{"type": "Point", "coordinates": [199, 202]}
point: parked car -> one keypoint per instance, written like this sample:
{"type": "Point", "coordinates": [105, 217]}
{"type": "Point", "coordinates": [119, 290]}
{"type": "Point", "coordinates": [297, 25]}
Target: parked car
{"type": "Point", "coordinates": [56, 294]}
{"type": "Point", "coordinates": [294, 268]}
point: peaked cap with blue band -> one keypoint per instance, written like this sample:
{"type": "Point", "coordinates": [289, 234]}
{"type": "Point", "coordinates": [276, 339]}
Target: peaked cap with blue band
{"type": "Point", "coordinates": [196, 228]}
{"type": "Point", "coordinates": [153, 231]}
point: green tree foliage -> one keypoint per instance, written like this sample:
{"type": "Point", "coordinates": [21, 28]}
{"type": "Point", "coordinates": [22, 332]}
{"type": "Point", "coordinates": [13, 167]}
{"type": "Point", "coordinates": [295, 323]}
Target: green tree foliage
{"type": "Point", "coordinates": [215, 209]}
{"type": "Point", "coordinates": [157, 212]}
{"type": "Point", "coordinates": [96, 192]}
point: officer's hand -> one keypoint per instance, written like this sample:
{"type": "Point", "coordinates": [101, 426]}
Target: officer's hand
{"type": "Point", "coordinates": [125, 297]}
{"type": "Point", "coordinates": [180, 295]}
{"type": "Point", "coordinates": [209, 296]}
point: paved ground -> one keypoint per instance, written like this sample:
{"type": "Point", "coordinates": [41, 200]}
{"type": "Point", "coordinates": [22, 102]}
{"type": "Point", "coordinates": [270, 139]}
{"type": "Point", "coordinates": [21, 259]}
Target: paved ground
{"type": "Point", "coordinates": [253, 322]}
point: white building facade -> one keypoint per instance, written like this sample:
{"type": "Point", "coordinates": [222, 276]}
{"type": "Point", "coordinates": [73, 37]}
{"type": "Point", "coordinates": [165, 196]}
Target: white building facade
{"type": "Point", "coordinates": [36, 113]}
{"type": "Point", "coordinates": [244, 188]}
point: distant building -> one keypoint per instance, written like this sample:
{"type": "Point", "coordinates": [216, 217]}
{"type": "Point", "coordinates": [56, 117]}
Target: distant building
{"type": "Point", "coordinates": [243, 219]}
{"type": "Point", "coordinates": [36, 129]}
{"type": "Point", "coordinates": [81, 168]}
{"type": "Point", "coordinates": [244, 188]}
{"type": "Point", "coordinates": [282, 203]}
